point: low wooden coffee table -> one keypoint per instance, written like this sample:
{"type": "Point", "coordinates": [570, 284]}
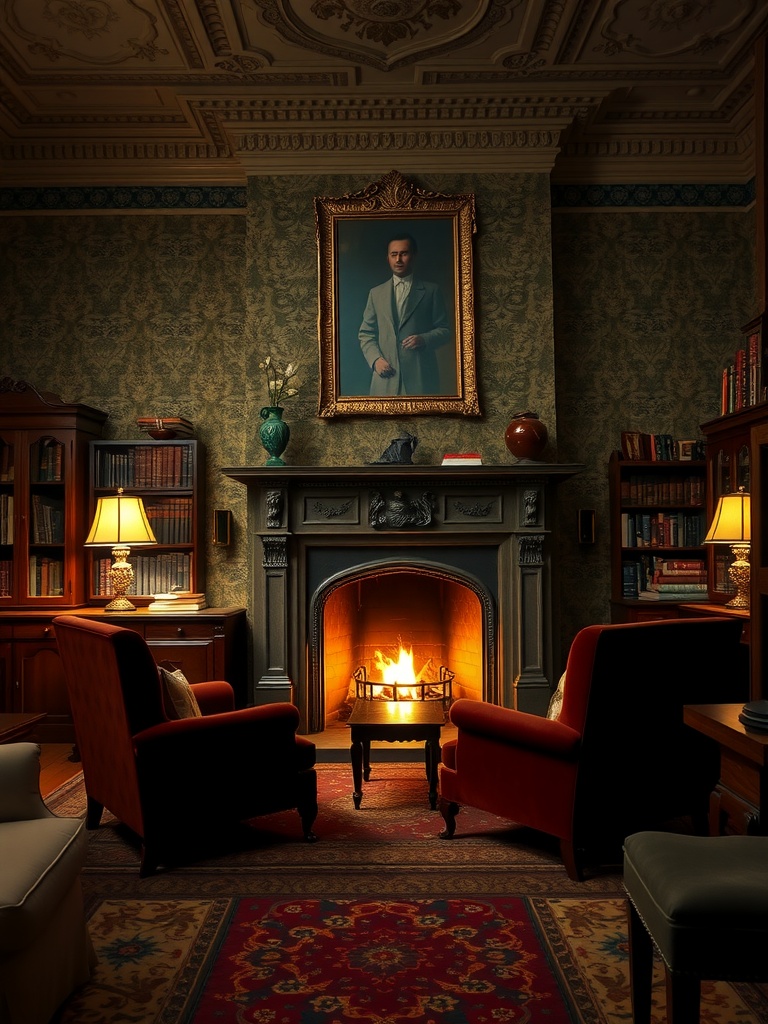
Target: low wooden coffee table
{"type": "Point", "coordinates": [15, 727]}
{"type": "Point", "coordinates": [395, 721]}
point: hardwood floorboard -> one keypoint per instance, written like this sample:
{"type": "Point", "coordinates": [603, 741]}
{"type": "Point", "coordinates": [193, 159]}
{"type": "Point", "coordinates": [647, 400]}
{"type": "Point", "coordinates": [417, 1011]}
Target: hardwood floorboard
{"type": "Point", "coordinates": [56, 766]}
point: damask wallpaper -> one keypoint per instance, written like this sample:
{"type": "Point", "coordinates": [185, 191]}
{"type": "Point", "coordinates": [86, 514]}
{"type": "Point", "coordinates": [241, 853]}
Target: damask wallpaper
{"type": "Point", "coordinates": [600, 321]}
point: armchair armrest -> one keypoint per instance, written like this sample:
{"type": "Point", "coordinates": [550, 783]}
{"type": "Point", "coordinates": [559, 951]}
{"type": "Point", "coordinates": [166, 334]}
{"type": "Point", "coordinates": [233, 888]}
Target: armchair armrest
{"type": "Point", "coordinates": [515, 728]}
{"type": "Point", "coordinates": [214, 697]}
{"type": "Point", "coordinates": [20, 798]}
{"type": "Point", "coordinates": [249, 732]}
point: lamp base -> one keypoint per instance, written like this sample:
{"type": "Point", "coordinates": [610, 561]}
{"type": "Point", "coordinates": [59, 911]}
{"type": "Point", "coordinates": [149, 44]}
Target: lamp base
{"type": "Point", "coordinates": [739, 574]}
{"type": "Point", "coordinates": [120, 604]}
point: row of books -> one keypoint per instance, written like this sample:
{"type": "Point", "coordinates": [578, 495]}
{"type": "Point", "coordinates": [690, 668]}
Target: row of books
{"type": "Point", "coordinates": [662, 529]}
{"type": "Point", "coordinates": [47, 465]}
{"type": "Point", "coordinates": [6, 577]}
{"type": "Point", "coordinates": [47, 520]}
{"type": "Point", "coordinates": [46, 576]}
{"type": "Point", "coordinates": [742, 381]}
{"type": "Point", "coordinates": [651, 578]}
{"type": "Point", "coordinates": [664, 489]}
{"type": "Point", "coordinates": [6, 519]}
{"type": "Point", "coordinates": [162, 465]}
{"type": "Point", "coordinates": [641, 447]}
{"type": "Point", "coordinates": [171, 520]}
{"type": "Point", "coordinates": [153, 574]}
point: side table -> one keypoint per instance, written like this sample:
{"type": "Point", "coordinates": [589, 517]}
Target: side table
{"type": "Point", "coordinates": [394, 721]}
{"type": "Point", "coordinates": [15, 727]}
{"type": "Point", "coordinates": [739, 801]}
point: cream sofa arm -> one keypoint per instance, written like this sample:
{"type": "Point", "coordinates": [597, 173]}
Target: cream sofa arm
{"type": "Point", "coordinates": [20, 798]}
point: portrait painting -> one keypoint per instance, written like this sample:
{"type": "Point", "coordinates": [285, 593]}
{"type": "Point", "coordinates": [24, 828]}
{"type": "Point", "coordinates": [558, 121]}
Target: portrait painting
{"type": "Point", "coordinates": [396, 318]}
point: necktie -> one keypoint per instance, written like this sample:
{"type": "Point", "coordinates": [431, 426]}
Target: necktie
{"type": "Point", "coordinates": [400, 291]}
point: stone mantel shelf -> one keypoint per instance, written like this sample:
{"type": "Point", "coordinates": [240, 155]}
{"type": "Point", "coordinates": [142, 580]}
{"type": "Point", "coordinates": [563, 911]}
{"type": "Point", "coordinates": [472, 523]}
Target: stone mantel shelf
{"type": "Point", "coordinates": [267, 476]}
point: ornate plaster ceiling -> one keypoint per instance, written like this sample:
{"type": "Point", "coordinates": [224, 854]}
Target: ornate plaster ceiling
{"type": "Point", "coordinates": [210, 91]}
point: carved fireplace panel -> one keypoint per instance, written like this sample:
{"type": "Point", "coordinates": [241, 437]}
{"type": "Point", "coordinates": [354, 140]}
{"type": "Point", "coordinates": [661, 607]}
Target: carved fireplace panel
{"type": "Point", "coordinates": [460, 560]}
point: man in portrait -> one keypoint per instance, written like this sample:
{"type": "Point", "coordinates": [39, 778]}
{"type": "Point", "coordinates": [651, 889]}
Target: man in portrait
{"type": "Point", "coordinates": [405, 321]}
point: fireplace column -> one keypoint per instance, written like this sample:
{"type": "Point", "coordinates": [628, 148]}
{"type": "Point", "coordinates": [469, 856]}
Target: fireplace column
{"type": "Point", "coordinates": [272, 592]}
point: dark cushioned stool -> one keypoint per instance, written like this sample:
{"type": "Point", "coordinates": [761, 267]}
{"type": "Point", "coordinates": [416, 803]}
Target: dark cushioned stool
{"type": "Point", "coordinates": [703, 902]}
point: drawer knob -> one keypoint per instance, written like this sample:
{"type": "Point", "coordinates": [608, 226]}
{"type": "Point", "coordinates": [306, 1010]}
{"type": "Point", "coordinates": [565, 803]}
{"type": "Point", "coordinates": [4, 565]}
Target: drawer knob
{"type": "Point", "coordinates": [179, 631]}
{"type": "Point", "coordinates": [46, 630]}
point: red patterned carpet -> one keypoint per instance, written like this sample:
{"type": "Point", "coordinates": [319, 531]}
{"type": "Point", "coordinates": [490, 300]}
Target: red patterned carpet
{"type": "Point", "coordinates": [379, 922]}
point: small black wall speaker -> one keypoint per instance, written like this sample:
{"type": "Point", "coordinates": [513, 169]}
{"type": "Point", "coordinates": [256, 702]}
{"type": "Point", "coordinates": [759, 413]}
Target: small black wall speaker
{"type": "Point", "coordinates": [222, 526]}
{"type": "Point", "coordinates": [586, 526]}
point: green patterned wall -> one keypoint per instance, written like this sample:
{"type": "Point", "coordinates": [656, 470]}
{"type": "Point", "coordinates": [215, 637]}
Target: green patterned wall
{"type": "Point", "coordinates": [599, 321]}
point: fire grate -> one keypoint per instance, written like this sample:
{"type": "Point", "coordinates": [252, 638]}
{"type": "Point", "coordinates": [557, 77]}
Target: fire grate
{"type": "Point", "coordinates": [435, 689]}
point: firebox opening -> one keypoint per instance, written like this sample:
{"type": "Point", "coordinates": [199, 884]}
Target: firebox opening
{"type": "Point", "coordinates": [437, 618]}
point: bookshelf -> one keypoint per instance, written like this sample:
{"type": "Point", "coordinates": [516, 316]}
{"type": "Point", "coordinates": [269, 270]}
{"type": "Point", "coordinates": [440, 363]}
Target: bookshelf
{"type": "Point", "coordinates": [170, 478]}
{"type": "Point", "coordinates": [658, 522]}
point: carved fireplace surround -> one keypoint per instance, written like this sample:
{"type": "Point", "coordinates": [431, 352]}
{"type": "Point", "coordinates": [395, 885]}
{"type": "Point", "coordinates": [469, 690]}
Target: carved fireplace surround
{"type": "Point", "coordinates": [483, 531]}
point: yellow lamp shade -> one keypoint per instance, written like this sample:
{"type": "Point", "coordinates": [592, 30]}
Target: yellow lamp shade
{"type": "Point", "coordinates": [732, 520]}
{"type": "Point", "coordinates": [120, 519]}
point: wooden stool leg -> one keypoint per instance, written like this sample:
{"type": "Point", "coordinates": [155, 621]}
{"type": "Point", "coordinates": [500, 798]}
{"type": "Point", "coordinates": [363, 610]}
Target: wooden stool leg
{"type": "Point", "coordinates": [683, 999]}
{"type": "Point", "coordinates": [640, 966]}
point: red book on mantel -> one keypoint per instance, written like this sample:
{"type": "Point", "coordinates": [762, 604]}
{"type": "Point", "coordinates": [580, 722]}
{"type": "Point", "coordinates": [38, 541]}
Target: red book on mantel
{"type": "Point", "coordinates": [462, 459]}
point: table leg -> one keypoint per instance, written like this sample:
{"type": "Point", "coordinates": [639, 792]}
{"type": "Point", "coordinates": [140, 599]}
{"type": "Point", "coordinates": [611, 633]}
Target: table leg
{"type": "Point", "coordinates": [432, 757]}
{"type": "Point", "coordinates": [356, 755]}
{"type": "Point", "coordinates": [367, 760]}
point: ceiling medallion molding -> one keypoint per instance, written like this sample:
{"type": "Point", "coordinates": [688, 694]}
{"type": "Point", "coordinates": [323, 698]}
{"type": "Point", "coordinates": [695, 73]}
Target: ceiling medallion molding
{"type": "Point", "coordinates": [386, 35]}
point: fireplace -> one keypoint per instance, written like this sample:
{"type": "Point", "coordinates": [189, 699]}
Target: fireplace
{"type": "Point", "coordinates": [454, 565]}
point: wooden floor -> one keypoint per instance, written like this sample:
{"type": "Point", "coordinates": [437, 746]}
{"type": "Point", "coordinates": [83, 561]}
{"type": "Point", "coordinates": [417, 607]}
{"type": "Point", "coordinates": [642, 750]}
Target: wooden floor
{"type": "Point", "coordinates": [56, 766]}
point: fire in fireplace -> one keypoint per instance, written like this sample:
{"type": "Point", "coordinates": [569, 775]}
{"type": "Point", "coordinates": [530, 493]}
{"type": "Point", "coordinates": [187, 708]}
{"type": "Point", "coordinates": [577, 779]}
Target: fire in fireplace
{"type": "Point", "coordinates": [398, 680]}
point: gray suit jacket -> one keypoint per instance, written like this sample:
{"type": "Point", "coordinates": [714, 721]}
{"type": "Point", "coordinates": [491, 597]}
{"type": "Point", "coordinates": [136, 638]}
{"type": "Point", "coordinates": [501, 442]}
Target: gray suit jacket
{"type": "Point", "coordinates": [380, 334]}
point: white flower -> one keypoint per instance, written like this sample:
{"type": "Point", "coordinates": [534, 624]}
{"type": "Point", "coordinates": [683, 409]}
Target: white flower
{"type": "Point", "coordinates": [277, 380]}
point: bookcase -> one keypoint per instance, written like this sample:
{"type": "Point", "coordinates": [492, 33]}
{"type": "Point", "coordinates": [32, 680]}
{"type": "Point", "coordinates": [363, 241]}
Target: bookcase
{"type": "Point", "coordinates": [43, 488]}
{"type": "Point", "coordinates": [658, 518]}
{"type": "Point", "coordinates": [728, 468]}
{"type": "Point", "coordinates": [170, 478]}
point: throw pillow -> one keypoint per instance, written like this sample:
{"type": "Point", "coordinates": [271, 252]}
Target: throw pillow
{"type": "Point", "coordinates": [556, 701]}
{"type": "Point", "coordinates": [178, 699]}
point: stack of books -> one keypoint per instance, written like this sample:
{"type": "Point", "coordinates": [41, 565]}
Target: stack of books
{"type": "Point", "coordinates": [677, 580]}
{"type": "Point", "coordinates": [165, 427]}
{"type": "Point", "coordinates": [178, 601]}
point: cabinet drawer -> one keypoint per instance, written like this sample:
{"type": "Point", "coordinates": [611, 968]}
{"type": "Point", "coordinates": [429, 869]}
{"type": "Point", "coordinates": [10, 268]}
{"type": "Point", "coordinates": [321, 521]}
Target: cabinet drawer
{"type": "Point", "coordinates": [182, 630]}
{"type": "Point", "coordinates": [34, 631]}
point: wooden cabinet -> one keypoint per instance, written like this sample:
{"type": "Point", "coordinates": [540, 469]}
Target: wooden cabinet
{"type": "Point", "coordinates": [729, 466]}
{"type": "Point", "coordinates": [43, 497]}
{"type": "Point", "coordinates": [658, 515]}
{"type": "Point", "coordinates": [170, 478]}
{"type": "Point", "coordinates": [210, 644]}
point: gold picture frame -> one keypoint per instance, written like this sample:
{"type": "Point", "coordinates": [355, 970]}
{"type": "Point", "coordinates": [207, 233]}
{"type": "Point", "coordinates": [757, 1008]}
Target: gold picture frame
{"type": "Point", "coordinates": [354, 235]}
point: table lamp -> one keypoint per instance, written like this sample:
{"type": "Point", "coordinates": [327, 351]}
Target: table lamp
{"type": "Point", "coordinates": [731, 525]}
{"type": "Point", "coordinates": [121, 523]}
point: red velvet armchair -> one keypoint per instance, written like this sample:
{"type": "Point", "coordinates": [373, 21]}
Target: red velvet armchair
{"type": "Point", "coordinates": [176, 783]}
{"type": "Point", "coordinates": [619, 758]}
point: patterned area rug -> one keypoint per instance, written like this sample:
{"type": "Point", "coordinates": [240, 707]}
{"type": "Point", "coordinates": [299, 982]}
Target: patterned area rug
{"type": "Point", "coordinates": [380, 921]}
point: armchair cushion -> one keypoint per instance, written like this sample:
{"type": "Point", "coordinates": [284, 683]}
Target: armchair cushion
{"type": "Point", "coordinates": [179, 699]}
{"type": "Point", "coordinates": [42, 859]}
{"type": "Point", "coordinates": [556, 700]}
